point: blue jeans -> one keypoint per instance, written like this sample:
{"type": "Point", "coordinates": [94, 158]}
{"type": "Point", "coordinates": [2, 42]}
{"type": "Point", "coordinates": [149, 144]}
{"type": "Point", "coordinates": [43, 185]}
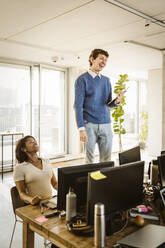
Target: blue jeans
{"type": "Point", "coordinates": [102, 135]}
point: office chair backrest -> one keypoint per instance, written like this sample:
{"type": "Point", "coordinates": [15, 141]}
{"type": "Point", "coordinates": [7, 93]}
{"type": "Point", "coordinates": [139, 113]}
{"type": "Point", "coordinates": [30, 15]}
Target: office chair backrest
{"type": "Point", "coordinates": [16, 200]}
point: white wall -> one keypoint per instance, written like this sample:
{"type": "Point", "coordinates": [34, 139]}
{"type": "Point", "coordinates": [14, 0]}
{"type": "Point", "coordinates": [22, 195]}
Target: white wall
{"type": "Point", "coordinates": [73, 133]}
{"type": "Point", "coordinates": [155, 112]}
{"type": "Point", "coordinates": [163, 107]}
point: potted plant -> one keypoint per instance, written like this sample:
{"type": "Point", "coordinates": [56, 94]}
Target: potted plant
{"type": "Point", "coordinates": [118, 112]}
{"type": "Point", "coordinates": [143, 129]}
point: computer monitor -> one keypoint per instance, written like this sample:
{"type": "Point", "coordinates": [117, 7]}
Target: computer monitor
{"type": "Point", "coordinates": [163, 152]}
{"type": "Point", "coordinates": [131, 155]}
{"type": "Point", "coordinates": [76, 177]}
{"type": "Point", "coordinates": [122, 189]}
{"type": "Point", "coordinates": [161, 166]}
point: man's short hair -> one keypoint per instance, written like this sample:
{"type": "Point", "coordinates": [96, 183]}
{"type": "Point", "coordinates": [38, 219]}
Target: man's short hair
{"type": "Point", "coordinates": [94, 54]}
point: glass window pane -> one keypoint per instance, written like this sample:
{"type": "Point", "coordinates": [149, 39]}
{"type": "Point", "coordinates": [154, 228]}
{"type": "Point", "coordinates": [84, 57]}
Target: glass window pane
{"type": "Point", "coordinates": [143, 96]}
{"type": "Point", "coordinates": [52, 113]}
{"type": "Point", "coordinates": [143, 114]}
{"type": "Point", "coordinates": [130, 139]}
{"type": "Point", "coordinates": [35, 103]}
{"type": "Point", "coordinates": [130, 117]}
{"type": "Point", "coordinates": [14, 102]}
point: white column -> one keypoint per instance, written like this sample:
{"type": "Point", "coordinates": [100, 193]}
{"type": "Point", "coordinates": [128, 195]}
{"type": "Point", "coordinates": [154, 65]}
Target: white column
{"type": "Point", "coordinates": [155, 112]}
{"type": "Point", "coordinates": [163, 104]}
{"type": "Point", "coordinates": [74, 146]}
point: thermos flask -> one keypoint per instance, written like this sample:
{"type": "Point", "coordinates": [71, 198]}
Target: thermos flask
{"type": "Point", "coordinates": [71, 201]}
{"type": "Point", "coordinates": [99, 225]}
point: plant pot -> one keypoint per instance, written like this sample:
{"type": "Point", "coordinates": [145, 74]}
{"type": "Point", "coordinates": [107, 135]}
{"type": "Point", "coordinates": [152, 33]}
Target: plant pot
{"type": "Point", "coordinates": [142, 145]}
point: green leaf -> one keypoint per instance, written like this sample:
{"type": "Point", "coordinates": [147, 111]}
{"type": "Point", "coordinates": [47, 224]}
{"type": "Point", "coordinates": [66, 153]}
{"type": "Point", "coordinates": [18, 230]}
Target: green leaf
{"type": "Point", "coordinates": [118, 112]}
{"type": "Point", "coordinates": [123, 131]}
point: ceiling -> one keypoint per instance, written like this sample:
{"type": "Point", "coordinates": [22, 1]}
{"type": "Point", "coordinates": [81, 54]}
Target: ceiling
{"type": "Point", "coordinates": [39, 30]}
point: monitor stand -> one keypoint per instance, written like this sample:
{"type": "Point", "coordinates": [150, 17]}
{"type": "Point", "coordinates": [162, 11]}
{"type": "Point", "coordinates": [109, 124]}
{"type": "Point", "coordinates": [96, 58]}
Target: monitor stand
{"type": "Point", "coordinates": [114, 223]}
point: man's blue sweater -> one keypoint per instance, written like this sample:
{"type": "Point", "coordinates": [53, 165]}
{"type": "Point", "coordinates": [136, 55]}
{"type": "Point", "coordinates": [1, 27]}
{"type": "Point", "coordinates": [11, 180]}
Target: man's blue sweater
{"type": "Point", "coordinates": [91, 97]}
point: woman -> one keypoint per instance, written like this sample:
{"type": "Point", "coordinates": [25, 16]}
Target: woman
{"type": "Point", "coordinates": [33, 176]}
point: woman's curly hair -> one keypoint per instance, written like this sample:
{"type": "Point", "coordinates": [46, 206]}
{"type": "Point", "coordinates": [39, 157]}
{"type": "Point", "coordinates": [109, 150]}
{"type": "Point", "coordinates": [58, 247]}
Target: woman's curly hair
{"type": "Point", "coordinates": [21, 156]}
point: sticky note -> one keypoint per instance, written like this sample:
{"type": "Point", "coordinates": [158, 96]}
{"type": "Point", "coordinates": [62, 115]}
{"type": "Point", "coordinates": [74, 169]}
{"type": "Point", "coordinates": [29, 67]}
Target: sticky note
{"type": "Point", "coordinates": [97, 175]}
{"type": "Point", "coordinates": [41, 219]}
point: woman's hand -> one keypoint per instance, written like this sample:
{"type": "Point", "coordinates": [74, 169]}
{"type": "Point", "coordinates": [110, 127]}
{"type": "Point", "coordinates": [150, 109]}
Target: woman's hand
{"type": "Point", "coordinates": [35, 200]}
{"type": "Point", "coordinates": [24, 196]}
{"type": "Point", "coordinates": [54, 182]}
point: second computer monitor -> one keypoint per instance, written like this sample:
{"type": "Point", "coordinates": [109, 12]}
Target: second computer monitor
{"type": "Point", "coordinates": [129, 156]}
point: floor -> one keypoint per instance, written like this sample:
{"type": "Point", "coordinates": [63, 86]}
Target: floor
{"type": "Point", "coordinates": [6, 212]}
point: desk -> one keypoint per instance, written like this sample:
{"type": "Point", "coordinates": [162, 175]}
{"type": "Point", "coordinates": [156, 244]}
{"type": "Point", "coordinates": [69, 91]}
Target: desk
{"type": "Point", "coordinates": [55, 230]}
{"type": "Point", "coordinates": [12, 147]}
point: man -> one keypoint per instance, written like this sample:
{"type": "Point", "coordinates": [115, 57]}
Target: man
{"type": "Point", "coordinates": [93, 97]}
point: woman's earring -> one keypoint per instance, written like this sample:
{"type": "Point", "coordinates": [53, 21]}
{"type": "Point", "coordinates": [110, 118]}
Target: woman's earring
{"type": "Point", "coordinates": [23, 150]}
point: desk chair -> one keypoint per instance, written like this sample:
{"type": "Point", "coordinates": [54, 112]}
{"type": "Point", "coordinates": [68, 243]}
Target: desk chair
{"type": "Point", "coordinates": [18, 203]}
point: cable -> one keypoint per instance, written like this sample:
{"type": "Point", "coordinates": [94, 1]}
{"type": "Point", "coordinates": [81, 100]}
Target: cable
{"type": "Point", "coordinates": [124, 226]}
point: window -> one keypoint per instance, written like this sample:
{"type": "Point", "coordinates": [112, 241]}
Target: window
{"type": "Point", "coordinates": [33, 102]}
{"type": "Point", "coordinates": [52, 112]}
{"type": "Point", "coordinates": [131, 116]}
{"type": "Point", "coordinates": [14, 103]}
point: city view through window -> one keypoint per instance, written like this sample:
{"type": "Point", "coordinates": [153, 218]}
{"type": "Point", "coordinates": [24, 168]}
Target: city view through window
{"type": "Point", "coordinates": [36, 108]}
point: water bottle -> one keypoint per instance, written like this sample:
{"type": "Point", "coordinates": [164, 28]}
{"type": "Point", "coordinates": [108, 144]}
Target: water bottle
{"type": "Point", "coordinates": [99, 225]}
{"type": "Point", "coordinates": [71, 200]}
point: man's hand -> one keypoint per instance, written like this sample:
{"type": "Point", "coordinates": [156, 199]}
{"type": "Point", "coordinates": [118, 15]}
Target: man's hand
{"type": "Point", "coordinates": [83, 136]}
{"type": "Point", "coordinates": [119, 97]}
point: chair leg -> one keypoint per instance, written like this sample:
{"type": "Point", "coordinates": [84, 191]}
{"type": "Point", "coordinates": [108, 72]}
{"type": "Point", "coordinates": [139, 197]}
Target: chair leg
{"type": "Point", "coordinates": [46, 243]}
{"type": "Point", "coordinates": [12, 234]}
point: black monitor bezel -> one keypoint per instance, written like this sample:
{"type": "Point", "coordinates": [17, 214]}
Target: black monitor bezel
{"type": "Point", "coordinates": [90, 206]}
{"type": "Point", "coordinates": [125, 156]}
{"type": "Point", "coordinates": [74, 170]}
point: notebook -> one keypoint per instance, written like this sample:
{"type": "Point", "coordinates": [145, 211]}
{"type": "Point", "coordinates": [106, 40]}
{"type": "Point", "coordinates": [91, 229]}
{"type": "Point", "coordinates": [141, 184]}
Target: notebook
{"type": "Point", "coordinates": [150, 236]}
